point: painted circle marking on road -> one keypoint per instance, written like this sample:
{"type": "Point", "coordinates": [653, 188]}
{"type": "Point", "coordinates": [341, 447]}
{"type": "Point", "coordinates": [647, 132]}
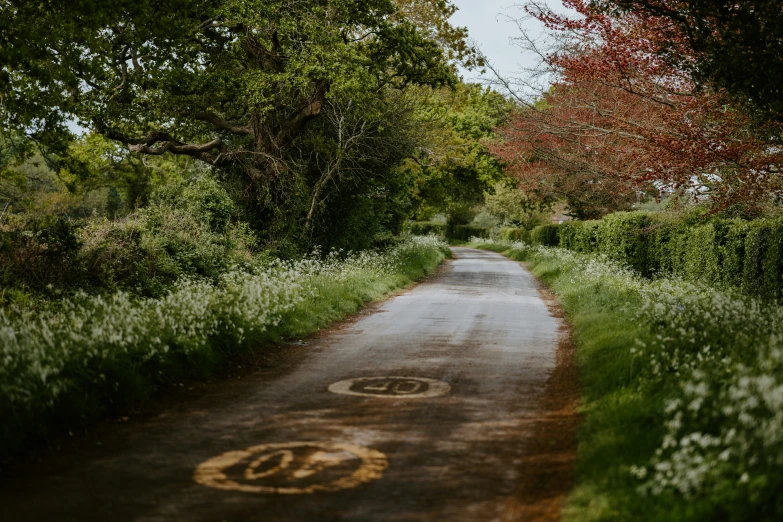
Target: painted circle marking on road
{"type": "Point", "coordinates": [391, 387]}
{"type": "Point", "coordinates": [291, 468]}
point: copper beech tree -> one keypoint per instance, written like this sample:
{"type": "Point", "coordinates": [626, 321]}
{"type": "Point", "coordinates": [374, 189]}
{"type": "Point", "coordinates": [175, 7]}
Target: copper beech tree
{"type": "Point", "coordinates": [620, 118]}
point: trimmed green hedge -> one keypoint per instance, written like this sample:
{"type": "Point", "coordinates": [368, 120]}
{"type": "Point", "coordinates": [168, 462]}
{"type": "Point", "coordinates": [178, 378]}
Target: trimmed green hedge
{"type": "Point", "coordinates": [461, 232]}
{"type": "Point", "coordinates": [514, 234]}
{"type": "Point", "coordinates": [721, 252]}
{"type": "Point", "coordinates": [545, 235]}
{"type": "Point", "coordinates": [465, 232]}
{"type": "Point", "coordinates": [423, 228]}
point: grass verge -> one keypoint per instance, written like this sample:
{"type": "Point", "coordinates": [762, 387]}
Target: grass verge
{"type": "Point", "coordinates": [682, 393]}
{"type": "Point", "coordinates": [97, 354]}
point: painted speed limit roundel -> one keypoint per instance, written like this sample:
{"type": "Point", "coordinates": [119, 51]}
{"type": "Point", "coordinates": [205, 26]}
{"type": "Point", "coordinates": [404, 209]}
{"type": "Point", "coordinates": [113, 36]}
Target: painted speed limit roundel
{"type": "Point", "coordinates": [391, 387]}
{"type": "Point", "coordinates": [291, 468]}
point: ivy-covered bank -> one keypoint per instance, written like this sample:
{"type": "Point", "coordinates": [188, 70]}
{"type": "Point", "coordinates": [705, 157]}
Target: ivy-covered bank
{"type": "Point", "coordinates": [719, 252]}
{"type": "Point", "coordinates": [682, 393]}
{"type": "Point", "coordinates": [98, 353]}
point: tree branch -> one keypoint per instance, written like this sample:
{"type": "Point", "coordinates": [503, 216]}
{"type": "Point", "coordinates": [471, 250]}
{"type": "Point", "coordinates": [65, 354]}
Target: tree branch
{"type": "Point", "coordinates": [221, 124]}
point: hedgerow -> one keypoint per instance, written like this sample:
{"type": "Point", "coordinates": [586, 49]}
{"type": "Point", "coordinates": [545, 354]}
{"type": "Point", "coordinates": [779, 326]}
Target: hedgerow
{"type": "Point", "coordinates": [465, 232]}
{"type": "Point", "coordinates": [94, 353]}
{"type": "Point", "coordinates": [513, 234]}
{"type": "Point", "coordinates": [423, 228]}
{"type": "Point", "coordinates": [722, 252]}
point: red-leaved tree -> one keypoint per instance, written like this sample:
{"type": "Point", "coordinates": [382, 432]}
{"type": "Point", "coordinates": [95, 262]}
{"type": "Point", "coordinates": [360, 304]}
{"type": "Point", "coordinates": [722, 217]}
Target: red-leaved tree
{"type": "Point", "coordinates": [619, 119]}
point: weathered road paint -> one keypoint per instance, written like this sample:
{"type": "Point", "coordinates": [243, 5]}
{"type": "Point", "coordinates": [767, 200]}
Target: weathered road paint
{"type": "Point", "coordinates": [391, 387]}
{"type": "Point", "coordinates": [292, 468]}
{"type": "Point", "coordinates": [480, 326]}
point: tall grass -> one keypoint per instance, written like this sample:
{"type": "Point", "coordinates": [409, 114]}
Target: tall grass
{"type": "Point", "coordinates": [95, 353]}
{"type": "Point", "coordinates": [682, 393]}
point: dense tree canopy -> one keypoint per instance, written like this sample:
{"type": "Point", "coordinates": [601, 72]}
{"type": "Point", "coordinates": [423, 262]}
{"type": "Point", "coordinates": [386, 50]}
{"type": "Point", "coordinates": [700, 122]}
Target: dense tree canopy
{"type": "Point", "coordinates": [297, 105]}
{"type": "Point", "coordinates": [733, 45]}
{"type": "Point", "coordinates": [231, 81]}
{"type": "Point", "coordinates": [452, 165]}
{"type": "Point", "coordinates": [620, 116]}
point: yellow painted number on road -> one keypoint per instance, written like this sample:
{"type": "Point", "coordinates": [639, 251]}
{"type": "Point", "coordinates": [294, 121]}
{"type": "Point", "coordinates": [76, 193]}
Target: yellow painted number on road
{"type": "Point", "coordinates": [391, 387]}
{"type": "Point", "coordinates": [292, 468]}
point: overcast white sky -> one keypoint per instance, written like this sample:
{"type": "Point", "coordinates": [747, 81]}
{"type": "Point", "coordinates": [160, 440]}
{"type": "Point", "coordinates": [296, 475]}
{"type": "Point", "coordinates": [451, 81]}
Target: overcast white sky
{"type": "Point", "coordinates": [489, 27]}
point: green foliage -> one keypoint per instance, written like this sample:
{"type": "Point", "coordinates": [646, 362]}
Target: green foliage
{"type": "Point", "coordinates": [680, 390]}
{"type": "Point", "coordinates": [96, 354]}
{"type": "Point", "coordinates": [305, 109]}
{"type": "Point", "coordinates": [623, 235]}
{"type": "Point", "coordinates": [732, 253]}
{"type": "Point", "coordinates": [465, 232]}
{"type": "Point", "coordinates": [113, 203]}
{"type": "Point", "coordinates": [39, 251]}
{"type": "Point", "coordinates": [580, 236]}
{"type": "Point", "coordinates": [513, 207]}
{"type": "Point", "coordinates": [514, 234]}
{"type": "Point", "coordinates": [453, 167]}
{"type": "Point", "coordinates": [202, 197]}
{"type": "Point", "coordinates": [545, 235]}
{"type": "Point", "coordinates": [189, 230]}
{"type": "Point", "coordinates": [458, 214]}
{"type": "Point", "coordinates": [423, 228]}
{"type": "Point", "coordinates": [719, 252]}
{"type": "Point", "coordinates": [763, 270]}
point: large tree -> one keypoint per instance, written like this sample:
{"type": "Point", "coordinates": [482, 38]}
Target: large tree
{"type": "Point", "coordinates": [733, 45]}
{"type": "Point", "coordinates": [621, 116]}
{"type": "Point", "coordinates": [232, 81]}
{"type": "Point", "coordinates": [452, 165]}
{"type": "Point", "coordinates": [284, 97]}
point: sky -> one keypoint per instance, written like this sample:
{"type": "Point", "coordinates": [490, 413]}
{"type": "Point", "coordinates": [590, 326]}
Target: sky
{"type": "Point", "coordinates": [489, 28]}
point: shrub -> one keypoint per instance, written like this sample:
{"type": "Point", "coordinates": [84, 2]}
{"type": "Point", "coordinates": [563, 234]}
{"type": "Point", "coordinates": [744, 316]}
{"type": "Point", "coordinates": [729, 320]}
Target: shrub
{"type": "Point", "coordinates": [465, 232]}
{"type": "Point", "coordinates": [545, 235]}
{"type": "Point", "coordinates": [732, 253]}
{"type": "Point", "coordinates": [580, 236]}
{"type": "Point", "coordinates": [38, 252]}
{"type": "Point", "coordinates": [725, 253]}
{"type": "Point", "coordinates": [202, 197]}
{"type": "Point", "coordinates": [763, 259]}
{"type": "Point", "coordinates": [189, 231]}
{"type": "Point", "coordinates": [514, 234]}
{"type": "Point", "coordinates": [624, 237]}
{"type": "Point", "coordinates": [147, 251]}
{"type": "Point", "coordinates": [701, 253]}
{"type": "Point", "coordinates": [95, 353]}
{"type": "Point", "coordinates": [424, 228]}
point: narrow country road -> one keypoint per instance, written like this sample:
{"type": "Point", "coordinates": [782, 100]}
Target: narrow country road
{"type": "Point", "coordinates": [432, 408]}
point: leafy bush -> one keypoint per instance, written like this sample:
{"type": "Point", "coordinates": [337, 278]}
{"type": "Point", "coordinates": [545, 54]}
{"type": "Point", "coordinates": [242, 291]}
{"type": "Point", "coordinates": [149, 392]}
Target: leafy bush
{"type": "Point", "coordinates": [513, 234]}
{"type": "Point", "coordinates": [40, 251]}
{"type": "Point", "coordinates": [149, 250]}
{"type": "Point", "coordinates": [424, 228]}
{"type": "Point", "coordinates": [189, 230]}
{"type": "Point", "coordinates": [465, 232]}
{"type": "Point", "coordinates": [545, 235]}
{"type": "Point", "coordinates": [96, 353]}
{"type": "Point", "coordinates": [625, 236]}
{"type": "Point", "coordinates": [581, 236]}
{"type": "Point", "coordinates": [724, 253]}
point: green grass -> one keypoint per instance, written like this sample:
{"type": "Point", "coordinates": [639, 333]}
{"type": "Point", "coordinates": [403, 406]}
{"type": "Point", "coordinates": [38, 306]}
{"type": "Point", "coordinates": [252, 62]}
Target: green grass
{"type": "Point", "coordinates": [336, 300]}
{"type": "Point", "coordinates": [624, 418]}
{"type": "Point", "coordinates": [621, 427]}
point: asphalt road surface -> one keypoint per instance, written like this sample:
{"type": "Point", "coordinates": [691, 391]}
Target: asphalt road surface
{"type": "Point", "coordinates": [432, 407]}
